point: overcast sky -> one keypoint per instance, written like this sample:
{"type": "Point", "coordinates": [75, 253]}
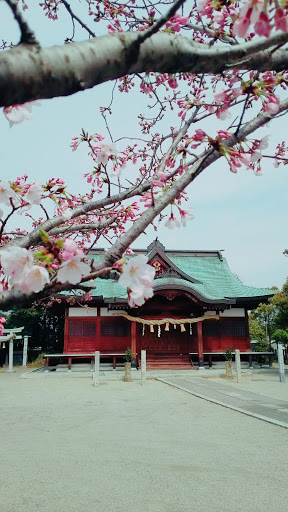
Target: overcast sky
{"type": "Point", "coordinates": [244, 214]}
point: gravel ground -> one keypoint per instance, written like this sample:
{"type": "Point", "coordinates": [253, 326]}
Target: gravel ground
{"type": "Point", "coordinates": [67, 446]}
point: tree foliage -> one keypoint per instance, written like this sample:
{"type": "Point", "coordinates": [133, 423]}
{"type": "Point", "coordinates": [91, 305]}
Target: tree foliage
{"type": "Point", "coordinates": [269, 321]}
{"type": "Point", "coordinates": [44, 326]}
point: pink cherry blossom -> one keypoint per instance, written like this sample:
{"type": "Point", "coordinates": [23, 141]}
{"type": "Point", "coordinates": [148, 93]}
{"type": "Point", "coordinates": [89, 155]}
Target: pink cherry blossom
{"type": "Point", "coordinates": [186, 215]}
{"type": "Point", "coordinates": [199, 135]}
{"type": "Point", "coordinates": [172, 82]}
{"type": "Point", "coordinates": [139, 297]}
{"type": "Point", "coordinates": [172, 223]}
{"type": "Point", "coordinates": [176, 22]}
{"type": "Point", "coordinates": [264, 143]}
{"type": "Point", "coordinates": [15, 262]}
{"type": "Point", "coordinates": [162, 176]}
{"type": "Point", "coordinates": [262, 27]}
{"type": "Point", "coordinates": [272, 104]}
{"type": "Point", "coordinates": [2, 321]}
{"type": "Point", "coordinates": [218, 17]}
{"type": "Point", "coordinates": [72, 271]}
{"type": "Point", "coordinates": [34, 280]}
{"type": "Point", "coordinates": [245, 159]}
{"type": "Point", "coordinates": [16, 114]}
{"type": "Point", "coordinates": [223, 112]}
{"type": "Point", "coordinates": [241, 25]}
{"type": "Point", "coordinates": [220, 95]}
{"type": "Point", "coordinates": [281, 20]}
{"type": "Point", "coordinates": [34, 194]}
{"type": "Point", "coordinates": [256, 155]}
{"type": "Point", "coordinates": [6, 193]}
{"type": "Point", "coordinates": [70, 250]}
{"type": "Point", "coordinates": [137, 275]}
{"type": "Point", "coordinates": [237, 91]}
{"type": "Point", "coordinates": [104, 151]}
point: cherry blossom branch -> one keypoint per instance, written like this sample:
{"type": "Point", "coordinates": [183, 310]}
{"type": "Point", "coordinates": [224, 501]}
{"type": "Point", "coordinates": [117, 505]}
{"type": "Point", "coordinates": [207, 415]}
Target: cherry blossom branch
{"type": "Point", "coordinates": [34, 238]}
{"type": "Point", "coordinates": [64, 70]}
{"type": "Point", "coordinates": [14, 296]}
{"type": "Point", "coordinates": [204, 160]}
{"type": "Point", "coordinates": [161, 21]}
{"type": "Point", "coordinates": [27, 36]}
{"type": "Point", "coordinates": [103, 265]}
{"type": "Point", "coordinates": [205, 30]}
{"type": "Point", "coordinates": [76, 18]}
{"type": "Point", "coordinates": [81, 228]}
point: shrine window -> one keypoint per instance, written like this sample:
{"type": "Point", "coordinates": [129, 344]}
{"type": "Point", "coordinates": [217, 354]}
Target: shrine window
{"type": "Point", "coordinates": [211, 328]}
{"type": "Point", "coordinates": [81, 329]}
{"type": "Point", "coordinates": [235, 328]}
{"type": "Point", "coordinates": [117, 329]}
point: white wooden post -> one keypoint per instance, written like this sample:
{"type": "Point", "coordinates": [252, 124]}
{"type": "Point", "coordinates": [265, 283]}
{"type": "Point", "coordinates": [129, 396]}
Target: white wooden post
{"type": "Point", "coordinates": [281, 363]}
{"type": "Point", "coordinates": [25, 350]}
{"type": "Point", "coordinates": [11, 349]}
{"type": "Point", "coordinates": [238, 364]}
{"type": "Point", "coordinates": [143, 366]}
{"type": "Point", "coordinates": [96, 368]}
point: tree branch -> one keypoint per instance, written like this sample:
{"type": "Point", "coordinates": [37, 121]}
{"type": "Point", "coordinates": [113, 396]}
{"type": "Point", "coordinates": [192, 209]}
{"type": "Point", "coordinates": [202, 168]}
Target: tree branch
{"type": "Point", "coordinates": [76, 18]}
{"type": "Point", "coordinates": [65, 70]}
{"type": "Point", "coordinates": [27, 36]}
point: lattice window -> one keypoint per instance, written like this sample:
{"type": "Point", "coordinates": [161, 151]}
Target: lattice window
{"type": "Point", "coordinates": [112, 328]}
{"type": "Point", "coordinates": [89, 329]}
{"type": "Point", "coordinates": [81, 329]}
{"type": "Point", "coordinates": [233, 328]}
{"type": "Point", "coordinates": [211, 328]}
{"type": "Point", "coordinates": [75, 328]}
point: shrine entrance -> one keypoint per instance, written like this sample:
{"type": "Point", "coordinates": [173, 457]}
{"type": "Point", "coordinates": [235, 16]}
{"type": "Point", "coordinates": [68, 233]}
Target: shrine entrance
{"type": "Point", "coordinates": [169, 337]}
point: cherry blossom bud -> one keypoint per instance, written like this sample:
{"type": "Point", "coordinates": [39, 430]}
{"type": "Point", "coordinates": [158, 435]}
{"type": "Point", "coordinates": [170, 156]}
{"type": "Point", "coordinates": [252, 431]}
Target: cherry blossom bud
{"type": "Point", "coordinates": [262, 27]}
{"type": "Point", "coordinates": [172, 82]}
{"type": "Point", "coordinates": [281, 20]}
{"type": "Point", "coordinates": [242, 24]}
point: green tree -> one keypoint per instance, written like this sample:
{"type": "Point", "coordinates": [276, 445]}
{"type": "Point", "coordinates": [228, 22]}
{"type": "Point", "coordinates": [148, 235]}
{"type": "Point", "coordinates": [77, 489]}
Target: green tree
{"type": "Point", "coordinates": [263, 320]}
{"type": "Point", "coordinates": [280, 336]}
{"type": "Point", "coordinates": [44, 325]}
{"type": "Point", "coordinates": [280, 303]}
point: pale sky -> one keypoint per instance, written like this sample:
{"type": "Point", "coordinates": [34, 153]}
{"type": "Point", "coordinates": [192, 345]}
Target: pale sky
{"type": "Point", "coordinates": [244, 214]}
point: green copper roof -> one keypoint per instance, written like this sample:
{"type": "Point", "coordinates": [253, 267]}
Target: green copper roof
{"type": "Point", "coordinates": [215, 281]}
{"type": "Point", "coordinates": [216, 278]}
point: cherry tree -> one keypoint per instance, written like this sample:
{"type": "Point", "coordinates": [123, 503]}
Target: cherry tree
{"type": "Point", "coordinates": [196, 60]}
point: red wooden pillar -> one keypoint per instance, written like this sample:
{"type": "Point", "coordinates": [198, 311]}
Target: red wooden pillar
{"type": "Point", "coordinates": [66, 331]}
{"type": "Point", "coordinates": [133, 344]}
{"type": "Point", "coordinates": [200, 345]}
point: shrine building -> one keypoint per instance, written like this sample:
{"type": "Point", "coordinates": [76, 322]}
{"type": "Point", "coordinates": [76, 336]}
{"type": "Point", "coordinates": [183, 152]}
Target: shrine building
{"type": "Point", "coordinates": [199, 308]}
